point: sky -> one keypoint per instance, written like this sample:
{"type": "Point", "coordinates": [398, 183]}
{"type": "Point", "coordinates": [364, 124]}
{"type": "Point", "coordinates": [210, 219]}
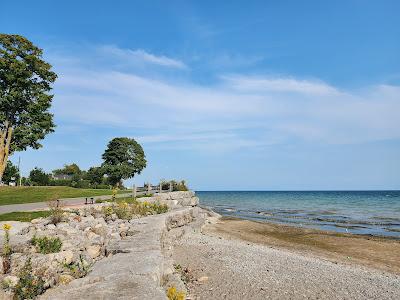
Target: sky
{"type": "Point", "coordinates": [228, 95]}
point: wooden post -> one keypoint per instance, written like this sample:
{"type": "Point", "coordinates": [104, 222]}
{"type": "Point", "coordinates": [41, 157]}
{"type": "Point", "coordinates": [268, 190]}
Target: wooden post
{"type": "Point", "coordinates": [134, 191]}
{"type": "Point", "coordinates": [160, 188]}
{"type": "Point", "coordinates": [149, 188]}
{"type": "Point", "coordinates": [170, 186]}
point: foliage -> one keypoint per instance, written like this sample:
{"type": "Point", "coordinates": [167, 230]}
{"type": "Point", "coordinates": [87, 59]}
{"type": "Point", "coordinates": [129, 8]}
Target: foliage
{"type": "Point", "coordinates": [6, 247]}
{"type": "Point", "coordinates": [123, 158]}
{"type": "Point", "coordinates": [95, 176]}
{"type": "Point", "coordinates": [10, 172]}
{"type": "Point", "coordinates": [38, 177]}
{"type": "Point", "coordinates": [46, 245]}
{"type": "Point", "coordinates": [78, 269]}
{"type": "Point", "coordinates": [60, 182]}
{"type": "Point", "coordinates": [173, 294]}
{"type": "Point", "coordinates": [25, 83]}
{"type": "Point", "coordinates": [56, 212]}
{"type": "Point", "coordinates": [24, 216]}
{"type": "Point", "coordinates": [72, 169]}
{"type": "Point", "coordinates": [176, 185]}
{"type": "Point", "coordinates": [29, 285]}
{"type": "Point", "coordinates": [128, 208]}
{"type": "Point", "coordinates": [123, 211]}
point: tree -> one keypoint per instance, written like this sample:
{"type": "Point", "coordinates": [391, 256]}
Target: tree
{"type": "Point", "coordinates": [95, 175]}
{"type": "Point", "coordinates": [72, 169]}
{"type": "Point", "coordinates": [25, 83]}
{"type": "Point", "coordinates": [123, 158]}
{"type": "Point", "coordinates": [38, 177]}
{"type": "Point", "coordinates": [10, 172]}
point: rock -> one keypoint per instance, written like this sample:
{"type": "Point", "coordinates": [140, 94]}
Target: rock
{"type": "Point", "coordinates": [94, 251]}
{"type": "Point", "coordinates": [51, 226]}
{"type": "Point", "coordinates": [37, 221]}
{"type": "Point", "coordinates": [65, 278]}
{"type": "Point", "coordinates": [65, 257]}
{"type": "Point", "coordinates": [202, 279]}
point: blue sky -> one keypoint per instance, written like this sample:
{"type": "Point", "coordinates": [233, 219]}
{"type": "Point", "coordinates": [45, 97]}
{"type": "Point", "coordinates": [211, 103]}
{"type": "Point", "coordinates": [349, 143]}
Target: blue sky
{"type": "Point", "coordinates": [229, 95]}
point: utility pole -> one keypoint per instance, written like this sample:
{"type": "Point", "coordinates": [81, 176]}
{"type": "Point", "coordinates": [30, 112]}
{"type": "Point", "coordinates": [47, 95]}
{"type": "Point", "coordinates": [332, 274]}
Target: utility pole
{"type": "Point", "coordinates": [19, 170]}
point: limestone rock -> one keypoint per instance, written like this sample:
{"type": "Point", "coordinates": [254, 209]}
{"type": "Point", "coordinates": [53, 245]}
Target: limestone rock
{"type": "Point", "coordinates": [94, 251]}
{"type": "Point", "coordinates": [65, 278]}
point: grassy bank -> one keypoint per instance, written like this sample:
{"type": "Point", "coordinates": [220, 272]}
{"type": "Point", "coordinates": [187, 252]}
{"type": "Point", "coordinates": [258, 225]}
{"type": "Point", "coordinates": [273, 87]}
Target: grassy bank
{"type": "Point", "coordinates": [24, 216]}
{"type": "Point", "coordinates": [25, 194]}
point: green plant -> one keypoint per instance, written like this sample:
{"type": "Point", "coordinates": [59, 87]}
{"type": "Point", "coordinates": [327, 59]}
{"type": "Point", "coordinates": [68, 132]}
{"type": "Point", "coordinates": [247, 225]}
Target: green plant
{"type": "Point", "coordinates": [123, 210]}
{"type": "Point", "coordinates": [107, 211]}
{"type": "Point", "coordinates": [46, 244]}
{"type": "Point", "coordinates": [29, 285]}
{"type": "Point", "coordinates": [175, 185]}
{"type": "Point", "coordinates": [56, 211]}
{"type": "Point", "coordinates": [6, 246]}
{"type": "Point", "coordinates": [78, 269]}
{"type": "Point", "coordinates": [173, 294]}
{"type": "Point", "coordinates": [123, 158]}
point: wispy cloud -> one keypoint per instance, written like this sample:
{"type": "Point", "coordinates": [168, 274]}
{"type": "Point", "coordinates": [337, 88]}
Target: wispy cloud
{"type": "Point", "coordinates": [142, 56]}
{"type": "Point", "coordinates": [236, 111]}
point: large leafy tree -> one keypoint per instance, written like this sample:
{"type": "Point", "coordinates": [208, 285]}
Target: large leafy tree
{"type": "Point", "coordinates": [123, 158]}
{"type": "Point", "coordinates": [25, 83]}
{"type": "Point", "coordinates": [38, 177]}
{"type": "Point", "coordinates": [95, 175]}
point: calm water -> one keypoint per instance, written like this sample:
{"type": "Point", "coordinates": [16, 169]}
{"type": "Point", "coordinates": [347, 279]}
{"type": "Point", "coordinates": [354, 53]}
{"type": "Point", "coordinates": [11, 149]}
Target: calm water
{"type": "Point", "coordinates": [361, 212]}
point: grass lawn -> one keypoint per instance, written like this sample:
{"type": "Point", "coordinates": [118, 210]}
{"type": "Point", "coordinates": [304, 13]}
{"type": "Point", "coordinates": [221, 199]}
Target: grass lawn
{"type": "Point", "coordinates": [30, 194]}
{"type": "Point", "coordinates": [24, 216]}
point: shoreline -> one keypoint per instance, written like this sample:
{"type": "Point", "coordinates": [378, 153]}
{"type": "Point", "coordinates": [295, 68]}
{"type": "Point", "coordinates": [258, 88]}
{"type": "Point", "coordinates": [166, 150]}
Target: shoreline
{"type": "Point", "coordinates": [232, 258]}
{"type": "Point", "coordinates": [379, 252]}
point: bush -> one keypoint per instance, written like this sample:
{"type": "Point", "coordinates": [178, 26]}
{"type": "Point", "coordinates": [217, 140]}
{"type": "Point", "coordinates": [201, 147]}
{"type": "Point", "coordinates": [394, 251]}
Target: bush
{"type": "Point", "coordinates": [46, 245]}
{"type": "Point", "coordinates": [60, 182]}
{"type": "Point", "coordinates": [83, 184]}
{"type": "Point", "coordinates": [78, 269]}
{"type": "Point", "coordinates": [176, 185]}
{"type": "Point", "coordinates": [126, 211]}
{"type": "Point", "coordinates": [56, 212]}
{"type": "Point", "coordinates": [29, 285]}
{"type": "Point", "coordinates": [173, 294]}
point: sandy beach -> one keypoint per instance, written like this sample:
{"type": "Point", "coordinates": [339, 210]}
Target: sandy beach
{"type": "Point", "coordinates": [240, 259]}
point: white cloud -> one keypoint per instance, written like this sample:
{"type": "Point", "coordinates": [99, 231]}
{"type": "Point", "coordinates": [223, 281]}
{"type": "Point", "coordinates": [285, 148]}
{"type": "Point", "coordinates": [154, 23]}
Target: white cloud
{"type": "Point", "coordinates": [142, 56]}
{"type": "Point", "coordinates": [270, 84]}
{"type": "Point", "coordinates": [238, 111]}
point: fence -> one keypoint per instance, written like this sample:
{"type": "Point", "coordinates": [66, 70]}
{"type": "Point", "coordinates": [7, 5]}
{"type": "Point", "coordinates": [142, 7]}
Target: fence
{"type": "Point", "coordinates": [149, 189]}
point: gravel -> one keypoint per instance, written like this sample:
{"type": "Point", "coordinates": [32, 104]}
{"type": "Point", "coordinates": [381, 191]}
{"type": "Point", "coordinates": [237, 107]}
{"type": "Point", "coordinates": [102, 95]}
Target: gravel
{"type": "Point", "coordinates": [240, 270]}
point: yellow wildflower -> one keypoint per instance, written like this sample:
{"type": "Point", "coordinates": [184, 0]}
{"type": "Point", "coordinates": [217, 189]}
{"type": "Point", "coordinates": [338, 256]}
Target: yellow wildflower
{"type": "Point", "coordinates": [171, 293]}
{"type": "Point", "coordinates": [6, 227]}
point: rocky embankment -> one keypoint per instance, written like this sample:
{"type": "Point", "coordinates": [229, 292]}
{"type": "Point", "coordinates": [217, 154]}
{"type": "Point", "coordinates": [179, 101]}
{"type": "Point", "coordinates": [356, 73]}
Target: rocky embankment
{"type": "Point", "coordinates": [104, 256]}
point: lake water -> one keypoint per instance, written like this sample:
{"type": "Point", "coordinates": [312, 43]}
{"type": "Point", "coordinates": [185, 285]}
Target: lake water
{"type": "Point", "coordinates": [360, 212]}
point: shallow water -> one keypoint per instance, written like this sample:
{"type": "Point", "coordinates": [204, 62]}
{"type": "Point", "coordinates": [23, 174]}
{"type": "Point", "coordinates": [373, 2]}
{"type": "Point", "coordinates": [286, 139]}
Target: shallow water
{"type": "Point", "coordinates": [360, 212]}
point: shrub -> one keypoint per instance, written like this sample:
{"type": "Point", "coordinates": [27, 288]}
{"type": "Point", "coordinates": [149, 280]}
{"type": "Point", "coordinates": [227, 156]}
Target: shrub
{"type": "Point", "coordinates": [176, 185]}
{"type": "Point", "coordinates": [78, 269]}
{"type": "Point", "coordinates": [107, 211]}
{"type": "Point", "coordinates": [29, 285]}
{"type": "Point", "coordinates": [173, 294]}
{"type": "Point", "coordinates": [46, 245]}
{"type": "Point", "coordinates": [56, 212]}
{"type": "Point", "coordinates": [123, 211]}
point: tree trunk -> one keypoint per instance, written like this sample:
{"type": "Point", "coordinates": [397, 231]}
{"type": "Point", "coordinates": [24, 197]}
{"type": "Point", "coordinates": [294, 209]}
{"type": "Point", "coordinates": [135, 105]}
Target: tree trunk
{"type": "Point", "coordinates": [5, 142]}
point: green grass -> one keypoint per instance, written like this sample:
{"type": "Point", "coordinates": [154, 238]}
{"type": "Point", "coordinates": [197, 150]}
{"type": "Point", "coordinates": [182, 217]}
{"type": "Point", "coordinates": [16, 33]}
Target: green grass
{"type": "Point", "coordinates": [31, 194]}
{"type": "Point", "coordinates": [24, 216]}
